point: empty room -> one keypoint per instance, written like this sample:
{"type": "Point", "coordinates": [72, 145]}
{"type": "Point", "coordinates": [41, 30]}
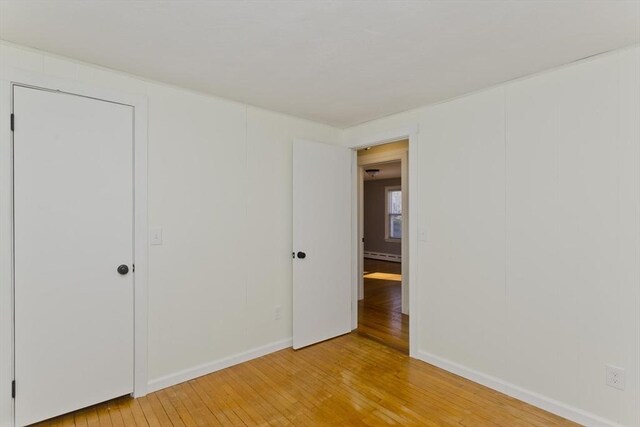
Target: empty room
{"type": "Point", "coordinates": [320, 213]}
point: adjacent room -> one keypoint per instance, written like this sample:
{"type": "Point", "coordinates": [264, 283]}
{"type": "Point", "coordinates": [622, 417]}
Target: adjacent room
{"type": "Point", "coordinates": [319, 213]}
{"type": "Point", "coordinates": [383, 295]}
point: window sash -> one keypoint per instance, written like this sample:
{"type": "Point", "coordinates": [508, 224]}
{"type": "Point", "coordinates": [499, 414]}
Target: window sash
{"type": "Point", "coordinates": [393, 213]}
{"type": "Point", "coordinates": [395, 226]}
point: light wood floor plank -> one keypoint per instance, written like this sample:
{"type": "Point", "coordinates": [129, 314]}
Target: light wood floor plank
{"type": "Point", "coordinates": [380, 312]}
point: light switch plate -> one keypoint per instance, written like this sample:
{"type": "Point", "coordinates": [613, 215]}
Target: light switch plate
{"type": "Point", "coordinates": [155, 236]}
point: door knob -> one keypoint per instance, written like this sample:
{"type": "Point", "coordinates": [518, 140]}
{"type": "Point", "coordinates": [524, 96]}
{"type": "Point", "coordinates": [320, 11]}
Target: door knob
{"type": "Point", "coordinates": [302, 255]}
{"type": "Point", "coordinates": [123, 269]}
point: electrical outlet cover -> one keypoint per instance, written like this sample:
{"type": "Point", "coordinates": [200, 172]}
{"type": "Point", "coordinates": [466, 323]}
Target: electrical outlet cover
{"type": "Point", "coordinates": [615, 377]}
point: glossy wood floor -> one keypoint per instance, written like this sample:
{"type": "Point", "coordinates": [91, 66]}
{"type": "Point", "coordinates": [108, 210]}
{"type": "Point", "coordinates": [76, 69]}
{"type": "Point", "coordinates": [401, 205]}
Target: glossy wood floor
{"type": "Point", "coordinates": [380, 312]}
{"type": "Point", "coordinates": [347, 381]}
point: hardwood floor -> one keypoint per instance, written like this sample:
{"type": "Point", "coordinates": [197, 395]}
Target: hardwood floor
{"type": "Point", "coordinates": [347, 381]}
{"type": "Point", "coordinates": [358, 379]}
{"type": "Point", "coordinates": [380, 312]}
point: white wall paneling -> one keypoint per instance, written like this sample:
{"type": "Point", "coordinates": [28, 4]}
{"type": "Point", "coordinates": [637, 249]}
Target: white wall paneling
{"type": "Point", "coordinates": [527, 212]}
{"type": "Point", "coordinates": [529, 236]}
{"type": "Point", "coordinates": [461, 204]}
{"type": "Point", "coordinates": [219, 185]}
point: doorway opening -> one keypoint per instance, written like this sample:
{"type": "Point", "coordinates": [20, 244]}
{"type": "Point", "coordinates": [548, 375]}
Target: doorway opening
{"type": "Point", "coordinates": [383, 291]}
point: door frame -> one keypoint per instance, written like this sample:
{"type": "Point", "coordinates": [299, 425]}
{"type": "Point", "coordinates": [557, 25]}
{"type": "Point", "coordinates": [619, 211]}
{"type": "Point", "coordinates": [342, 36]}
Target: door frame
{"type": "Point", "coordinates": [409, 133]}
{"type": "Point", "coordinates": [9, 78]}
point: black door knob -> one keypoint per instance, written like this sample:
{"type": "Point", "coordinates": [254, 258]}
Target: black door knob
{"type": "Point", "coordinates": [301, 255]}
{"type": "Point", "coordinates": [123, 269]}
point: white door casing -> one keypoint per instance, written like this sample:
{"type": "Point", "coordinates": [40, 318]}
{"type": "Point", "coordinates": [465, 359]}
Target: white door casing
{"type": "Point", "coordinates": [322, 217]}
{"type": "Point", "coordinates": [378, 138]}
{"type": "Point", "coordinates": [73, 220]}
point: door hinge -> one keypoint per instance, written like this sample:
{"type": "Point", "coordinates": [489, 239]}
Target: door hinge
{"type": "Point", "coordinates": [13, 389]}
{"type": "Point", "coordinates": [12, 122]}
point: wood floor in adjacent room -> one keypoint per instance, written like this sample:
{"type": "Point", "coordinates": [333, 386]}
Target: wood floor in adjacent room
{"type": "Point", "coordinates": [380, 311]}
{"type": "Point", "coordinates": [348, 381]}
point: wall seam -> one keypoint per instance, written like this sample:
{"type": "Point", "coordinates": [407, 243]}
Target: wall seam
{"type": "Point", "coordinates": [506, 287]}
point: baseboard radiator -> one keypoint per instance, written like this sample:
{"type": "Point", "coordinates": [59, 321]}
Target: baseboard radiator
{"type": "Point", "coordinates": [383, 256]}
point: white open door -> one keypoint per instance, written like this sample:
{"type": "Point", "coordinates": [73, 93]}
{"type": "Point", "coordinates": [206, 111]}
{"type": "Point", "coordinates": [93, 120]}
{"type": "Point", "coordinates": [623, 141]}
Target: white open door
{"type": "Point", "coordinates": [73, 191]}
{"type": "Point", "coordinates": [321, 242]}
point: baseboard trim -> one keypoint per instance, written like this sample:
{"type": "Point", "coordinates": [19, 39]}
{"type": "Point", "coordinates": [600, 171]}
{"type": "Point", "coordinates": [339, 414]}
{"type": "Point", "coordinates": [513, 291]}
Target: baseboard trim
{"type": "Point", "coordinates": [383, 256]}
{"type": "Point", "coordinates": [535, 399]}
{"type": "Point", "coordinates": [216, 365]}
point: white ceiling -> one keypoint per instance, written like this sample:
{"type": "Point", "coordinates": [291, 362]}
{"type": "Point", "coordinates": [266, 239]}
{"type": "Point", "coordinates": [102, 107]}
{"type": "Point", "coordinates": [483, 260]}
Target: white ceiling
{"type": "Point", "coordinates": [337, 62]}
{"type": "Point", "coordinates": [387, 171]}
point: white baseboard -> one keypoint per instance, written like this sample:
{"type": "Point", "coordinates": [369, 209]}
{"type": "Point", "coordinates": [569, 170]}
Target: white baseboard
{"type": "Point", "coordinates": [216, 365]}
{"type": "Point", "coordinates": [383, 256]}
{"type": "Point", "coordinates": [535, 399]}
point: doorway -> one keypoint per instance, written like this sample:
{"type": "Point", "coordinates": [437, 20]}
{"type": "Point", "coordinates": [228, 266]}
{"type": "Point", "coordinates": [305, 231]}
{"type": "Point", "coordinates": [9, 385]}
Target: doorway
{"type": "Point", "coordinates": [383, 297]}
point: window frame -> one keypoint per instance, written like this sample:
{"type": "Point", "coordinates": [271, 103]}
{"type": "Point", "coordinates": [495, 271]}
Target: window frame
{"type": "Point", "coordinates": [387, 234]}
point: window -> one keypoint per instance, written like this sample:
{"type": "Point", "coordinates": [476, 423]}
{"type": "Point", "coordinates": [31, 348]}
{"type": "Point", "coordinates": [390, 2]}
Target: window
{"type": "Point", "coordinates": [393, 213]}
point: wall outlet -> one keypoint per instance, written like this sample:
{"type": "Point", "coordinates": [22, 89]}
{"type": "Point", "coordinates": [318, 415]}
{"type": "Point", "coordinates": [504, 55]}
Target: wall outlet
{"type": "Point", "coordinates": [278, 312]}
{"type": "Point", "coordinates": [615, 377]}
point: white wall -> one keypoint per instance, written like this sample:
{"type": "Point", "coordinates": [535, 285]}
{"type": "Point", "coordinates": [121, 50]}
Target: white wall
{"type": "Point", "coordinates": [529, 192]}
{"type": "Point", "coordinates": [529, 280]}
{"type": "Point", "coordinates": [220, 186]}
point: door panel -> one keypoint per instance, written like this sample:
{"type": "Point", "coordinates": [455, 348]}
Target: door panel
{"type": "Point", "coordinates": [322, 230]}
{"type": "Point", "coordinates": [73, 191]}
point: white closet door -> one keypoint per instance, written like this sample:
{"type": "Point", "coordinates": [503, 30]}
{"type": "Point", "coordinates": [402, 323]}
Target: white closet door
{"type": "Point", "coordinates": [73, 189]}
